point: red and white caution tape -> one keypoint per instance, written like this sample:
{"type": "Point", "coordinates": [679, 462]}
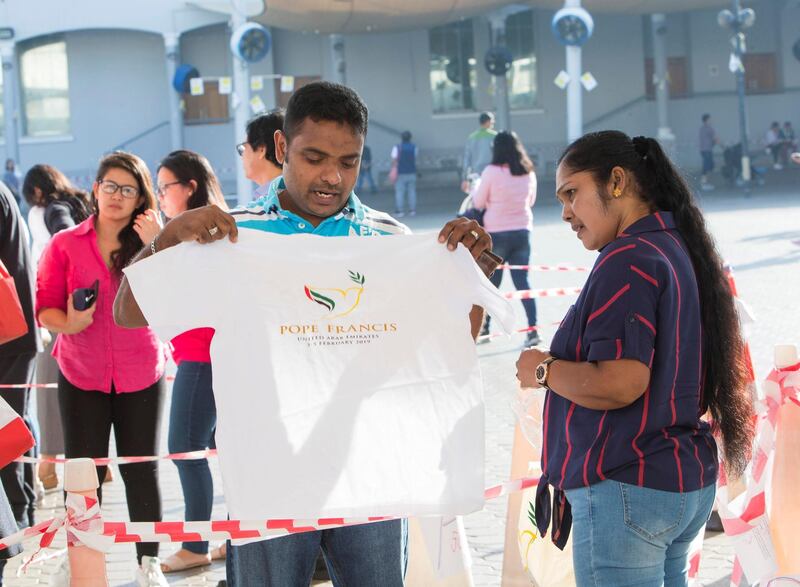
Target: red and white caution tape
{"type": "Point", "coordinates": [553, 292]}
{"type": "Point", "coordinates": [745, 517]}
{"type": "Point", "coordinates": [104, 461]}
{"type": "Point", "coordinates": [83, 524]}
{"type": "Point", "coordinates": [565, 268]}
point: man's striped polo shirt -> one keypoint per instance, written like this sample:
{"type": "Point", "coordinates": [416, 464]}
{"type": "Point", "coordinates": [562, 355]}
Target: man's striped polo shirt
{"type": "Point", "coordinates": [355, 219]}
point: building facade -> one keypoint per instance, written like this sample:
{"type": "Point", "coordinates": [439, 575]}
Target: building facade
{"type": "Point", "coordinates": [81, 90]}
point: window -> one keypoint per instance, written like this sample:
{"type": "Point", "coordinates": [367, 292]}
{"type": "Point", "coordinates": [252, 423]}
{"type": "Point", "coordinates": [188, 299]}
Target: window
{"type": "Point", "coordinates": [522, 77]}
{"type": "Point", "coordinates": [452, 70]}
{"type": "Point", "coordinates": [45, 90]}
{"type": "Point", "coordinates": [210, 107]}
{"type": "Point", "coordinates": [760, 72]}
{"type": "Point", "coordinates": [678, 77]}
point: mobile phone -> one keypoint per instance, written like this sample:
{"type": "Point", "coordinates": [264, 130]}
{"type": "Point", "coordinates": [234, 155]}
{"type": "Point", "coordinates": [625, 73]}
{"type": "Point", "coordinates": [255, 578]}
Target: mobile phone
{"type": "Point", "coordinates": [84, 297]}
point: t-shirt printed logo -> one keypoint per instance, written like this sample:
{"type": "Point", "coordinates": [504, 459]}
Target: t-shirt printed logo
{"type": "Point", "coordinates": [331, 298]}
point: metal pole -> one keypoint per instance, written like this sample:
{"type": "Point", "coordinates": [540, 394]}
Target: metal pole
{"type": "Point", "coordinates": [502, 103]}
{"type": "Point", "coordinates": [9, 101]}
{"type": "Point", "coordinates": [740, 87]}
{"type": "Point", "coordinates": [175, 114]}
{"type": "Point", "coordinates": [241, 111]}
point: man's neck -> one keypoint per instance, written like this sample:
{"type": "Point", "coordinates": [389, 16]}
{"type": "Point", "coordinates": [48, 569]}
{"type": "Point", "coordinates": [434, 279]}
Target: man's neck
{"type": "Point", "coordinates": [266, 173]}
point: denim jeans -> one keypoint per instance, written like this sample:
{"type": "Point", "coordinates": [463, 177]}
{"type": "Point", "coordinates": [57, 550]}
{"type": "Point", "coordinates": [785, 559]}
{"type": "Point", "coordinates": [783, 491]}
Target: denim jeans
{"type": "Point", "coordinates": [406, 182]}
{"type": "Point", "coordinates": [624, 535]}
{"type": "Point", "coordinates": [366, 174]}
{"type": "Point", "coordinates": [368, 554]}
{"type": "Point", "coordinates": [192, 420]}
{"type": "Point", "coordinates": [515, 247]}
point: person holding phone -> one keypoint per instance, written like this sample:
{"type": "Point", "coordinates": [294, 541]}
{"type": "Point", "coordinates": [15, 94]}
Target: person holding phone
{"type": "Point", "coordinates": [109, 376]}
{"type": "Point", "coordinates": [185, 181]}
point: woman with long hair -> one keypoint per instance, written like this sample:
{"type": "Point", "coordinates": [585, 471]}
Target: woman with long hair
{"type": "Point", "coordinates": [186, 181]}
{"type": "Point", "coordinates": [55, 204]}
{"type": "Point", "coordinates": [110, 377]}
{"type": "Point", "coordinates": [507, 192]}
{"type": "Point", "coordinates": [644, 372]}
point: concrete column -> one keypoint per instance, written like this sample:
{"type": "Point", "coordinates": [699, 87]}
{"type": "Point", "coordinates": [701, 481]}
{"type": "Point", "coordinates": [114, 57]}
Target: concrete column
{"type": "Point", "coordinates": [574, 88]}
{"type": "Point", "coordinates": [171, 48]}
{"type": "Point", "coordinates": [661, 79]}
{"type": "Point", "coordinates": [241, 112]}
{"type": "Point", "coordinates": [10, 92]}
{"type": "Point", "coordinates": [482, 39]}
{"type": "Point", "coordinates": [338, 61]}
{"type": "Point", "coordinates": [502, 104]}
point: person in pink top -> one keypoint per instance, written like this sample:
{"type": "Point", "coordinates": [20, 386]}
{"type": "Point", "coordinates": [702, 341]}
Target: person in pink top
{"type": "Point", "coordinates": [507, 191]}
{"type": "Point", "coordinates": [186, 181]}
{"type": "Point", "coordinates": [109, 376]}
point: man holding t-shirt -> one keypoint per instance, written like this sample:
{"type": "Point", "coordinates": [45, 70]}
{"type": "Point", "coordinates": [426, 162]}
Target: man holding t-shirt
{"type": "Point", "coordinates": [320, 148]}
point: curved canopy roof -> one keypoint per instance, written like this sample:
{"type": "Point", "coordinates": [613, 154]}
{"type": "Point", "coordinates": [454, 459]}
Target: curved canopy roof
{"type": "Point", "coordinates": [360, 16]}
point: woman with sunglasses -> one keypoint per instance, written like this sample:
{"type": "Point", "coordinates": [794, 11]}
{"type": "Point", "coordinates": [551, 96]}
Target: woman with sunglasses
{"type": "Point", "coordinates": [186, 181]}
{"type": "Point", "coordinates": [109, 376]}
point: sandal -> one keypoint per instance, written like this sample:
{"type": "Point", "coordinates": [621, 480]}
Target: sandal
{"type": "Point", "coordinates": [175, 563]}
{"type": "Point", "coordinates": [219, 553]}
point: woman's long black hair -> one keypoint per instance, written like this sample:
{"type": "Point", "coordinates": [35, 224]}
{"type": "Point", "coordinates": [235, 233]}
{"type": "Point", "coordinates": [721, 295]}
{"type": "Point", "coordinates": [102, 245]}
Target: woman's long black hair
{"type": "Point", "coordinates": [508, 150]}
{"type": "Point", "coordinates": [725, 392]}
{"type": "Point", "coordinates": [53, 185]}
{"type": "Point", "coordinates": [130, 243]}
{"type": "Point", "coordinates": [186, 166]}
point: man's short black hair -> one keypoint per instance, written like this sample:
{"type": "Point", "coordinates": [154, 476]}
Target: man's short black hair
{"type": "Point", "coordinates": [706, 117]}
{"type": "Point", "coordinates": [261, 132]}
{"type": "Point", "coordinates": [485, 117]}
{"type": "Point", "coordinates": [326, 101]}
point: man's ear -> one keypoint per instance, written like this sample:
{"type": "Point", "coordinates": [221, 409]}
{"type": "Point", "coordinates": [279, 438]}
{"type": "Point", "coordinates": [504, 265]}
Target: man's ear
{"type": "Point", "coordinates": [281, 146]}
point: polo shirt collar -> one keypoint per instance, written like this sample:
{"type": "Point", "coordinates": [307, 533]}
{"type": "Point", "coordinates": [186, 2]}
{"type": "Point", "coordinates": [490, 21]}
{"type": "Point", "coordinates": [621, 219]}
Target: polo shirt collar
{"type": "Point", "coordinates": [353, 209]}
{"type": "Point", "coordinates": [654, 222]}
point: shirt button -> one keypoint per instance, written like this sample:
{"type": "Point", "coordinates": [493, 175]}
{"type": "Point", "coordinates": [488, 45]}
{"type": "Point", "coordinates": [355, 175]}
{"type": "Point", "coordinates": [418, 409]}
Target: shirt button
{"type": "Point", "coordinates": [301, 226]}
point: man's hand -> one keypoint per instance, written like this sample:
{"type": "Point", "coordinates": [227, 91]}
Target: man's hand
{"type": "Point", "coordinates": [528, 360]}
{"type": "Point", "coordinates": [204, 225]}
{"type": "Point", "coordinates": [796, 158]}
{"type": "Point", "coordinates": [467, 232]}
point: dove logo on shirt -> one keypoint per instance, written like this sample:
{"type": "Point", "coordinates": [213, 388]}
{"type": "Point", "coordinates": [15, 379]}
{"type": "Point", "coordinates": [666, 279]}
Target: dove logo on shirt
{"type": "Point", "coordinates": [338, 302]}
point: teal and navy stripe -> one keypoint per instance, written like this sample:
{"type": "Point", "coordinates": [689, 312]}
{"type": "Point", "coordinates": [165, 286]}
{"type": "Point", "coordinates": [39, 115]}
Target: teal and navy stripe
{"type": "Point", "coordinates": [355, 219]}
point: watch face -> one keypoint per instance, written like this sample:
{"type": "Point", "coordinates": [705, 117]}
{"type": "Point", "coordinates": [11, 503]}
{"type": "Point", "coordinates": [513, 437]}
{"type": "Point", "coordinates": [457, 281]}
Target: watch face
{"type": "Point", "coordinates": [572, 29]}
{"type": "Point", "coordinates": [539, 373]}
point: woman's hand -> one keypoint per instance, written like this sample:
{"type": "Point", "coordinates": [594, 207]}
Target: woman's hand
{"type": "Point", "coordinates": [78, 320]}
{"type": "Point", "coordinates": [147, 225]}
{"type": "Point", "coordinates": [528, 360]}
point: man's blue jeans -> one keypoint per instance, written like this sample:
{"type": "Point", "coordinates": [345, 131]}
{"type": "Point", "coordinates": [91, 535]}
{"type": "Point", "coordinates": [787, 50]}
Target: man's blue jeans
{"type": "Point", "coordinates": [629, 536]}
{"type": "Point", "coordinates": [406, 184]}
{"type": "Point", "coordinates": [365, 555]}
{"type": "Point", "coordinates": [192, 421]}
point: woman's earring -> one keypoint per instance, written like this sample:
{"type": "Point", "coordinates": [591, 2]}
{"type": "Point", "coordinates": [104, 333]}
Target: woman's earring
{"type": "Point", "coordinates": [617, 192]}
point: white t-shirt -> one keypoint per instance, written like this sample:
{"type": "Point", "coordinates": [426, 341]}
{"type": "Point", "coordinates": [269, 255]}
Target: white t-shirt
{"type": "Point", "coordinates": [345, 376]}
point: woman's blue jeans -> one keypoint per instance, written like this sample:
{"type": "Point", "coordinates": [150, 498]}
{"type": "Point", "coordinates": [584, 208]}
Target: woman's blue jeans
{"type": "Point", "coordinates": [192, 421]}
{"type": "Point", "coordinates": [624, 535]}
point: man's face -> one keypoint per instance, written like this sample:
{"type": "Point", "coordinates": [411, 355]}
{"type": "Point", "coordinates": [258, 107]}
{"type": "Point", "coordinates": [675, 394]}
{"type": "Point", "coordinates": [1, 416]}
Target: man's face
{"type": "Point", "coordinates": [320, 167]}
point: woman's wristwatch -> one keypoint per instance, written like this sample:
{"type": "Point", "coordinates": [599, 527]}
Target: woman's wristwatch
{"type": "Point", "coordinates": [543, 370]}
{"type": "Point", "coordinates": [489, 262]}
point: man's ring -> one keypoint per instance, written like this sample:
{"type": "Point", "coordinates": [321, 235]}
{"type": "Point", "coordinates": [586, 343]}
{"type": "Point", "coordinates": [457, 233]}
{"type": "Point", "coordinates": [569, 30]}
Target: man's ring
{"type": "Point", "coordinates": [475, 234]}
{"type": "Point", "coordinates": [213, 230]}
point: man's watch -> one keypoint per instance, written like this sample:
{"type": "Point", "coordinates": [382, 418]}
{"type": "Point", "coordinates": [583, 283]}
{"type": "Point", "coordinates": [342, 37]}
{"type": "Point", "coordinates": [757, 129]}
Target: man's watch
{"type": "Point", "coordinates": [543, 370]}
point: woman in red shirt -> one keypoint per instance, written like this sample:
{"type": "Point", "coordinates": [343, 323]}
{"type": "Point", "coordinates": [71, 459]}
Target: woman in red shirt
{"type": "Point", "coordinates": [186, 181]}
{"type": "Point", "coordinates": [109, 376]}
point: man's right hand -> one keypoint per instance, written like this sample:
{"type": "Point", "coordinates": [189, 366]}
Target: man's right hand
{"type": "Point", "coordinates": [204, 225]}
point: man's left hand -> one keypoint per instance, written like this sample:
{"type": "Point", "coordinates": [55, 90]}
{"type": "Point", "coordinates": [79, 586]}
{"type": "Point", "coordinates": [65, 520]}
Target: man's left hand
{"type": "Point", "coordinates": [467, 232]}
{"type": "Point", "coordinates": [528, 360]}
